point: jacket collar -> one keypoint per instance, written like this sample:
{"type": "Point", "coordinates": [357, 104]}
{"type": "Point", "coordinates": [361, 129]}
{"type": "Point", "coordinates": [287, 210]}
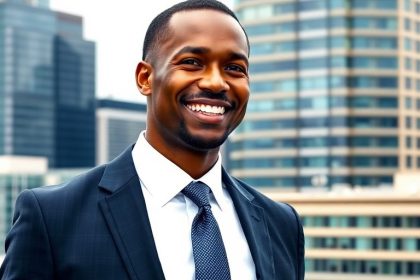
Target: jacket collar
{"type": "Point", "coordinates": [118, 172]}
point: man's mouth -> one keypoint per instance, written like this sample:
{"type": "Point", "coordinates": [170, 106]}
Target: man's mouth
{"type": "Point", "coordinates": [207, 109]}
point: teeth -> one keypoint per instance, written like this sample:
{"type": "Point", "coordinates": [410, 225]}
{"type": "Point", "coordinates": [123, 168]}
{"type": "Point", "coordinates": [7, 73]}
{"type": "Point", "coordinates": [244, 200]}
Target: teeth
{"type": "Point", "coordinates": [218, 110]}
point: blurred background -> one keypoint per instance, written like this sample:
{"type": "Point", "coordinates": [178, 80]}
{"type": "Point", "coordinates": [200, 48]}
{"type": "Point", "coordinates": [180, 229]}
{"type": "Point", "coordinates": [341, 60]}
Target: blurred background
{"type": "Point", "coordinates": [333, 123]}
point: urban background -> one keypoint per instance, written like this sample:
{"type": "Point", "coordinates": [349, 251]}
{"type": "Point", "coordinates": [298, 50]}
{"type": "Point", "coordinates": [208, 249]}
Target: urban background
{"type": "Point", "coordinates": [332, 127]}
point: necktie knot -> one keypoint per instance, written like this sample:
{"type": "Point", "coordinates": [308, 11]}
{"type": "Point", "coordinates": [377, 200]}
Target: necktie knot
{"type": "Point", "coordinates": [198, 192]}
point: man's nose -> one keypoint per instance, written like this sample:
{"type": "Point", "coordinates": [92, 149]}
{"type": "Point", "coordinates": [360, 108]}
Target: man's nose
{"type": "Point", "coordinates": [213, 80]}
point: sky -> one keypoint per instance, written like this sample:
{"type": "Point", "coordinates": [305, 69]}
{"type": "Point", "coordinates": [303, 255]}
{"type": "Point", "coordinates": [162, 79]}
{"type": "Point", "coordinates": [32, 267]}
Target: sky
{"type": "Point", "coordinates": [117, 28]}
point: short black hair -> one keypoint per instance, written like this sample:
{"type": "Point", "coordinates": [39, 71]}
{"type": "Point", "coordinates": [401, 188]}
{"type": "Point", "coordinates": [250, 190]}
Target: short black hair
{"type": "Point", "coordinates": [158, 28]}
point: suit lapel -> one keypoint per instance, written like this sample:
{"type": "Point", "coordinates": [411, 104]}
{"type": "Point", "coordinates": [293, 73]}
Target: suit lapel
{"type": "Point", "coordinates": [125, 213]}
{"type": "Point", "coordinates": [254, 225]}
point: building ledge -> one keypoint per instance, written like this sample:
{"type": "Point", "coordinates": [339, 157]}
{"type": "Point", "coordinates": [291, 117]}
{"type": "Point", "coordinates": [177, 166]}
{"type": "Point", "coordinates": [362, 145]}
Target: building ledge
{"type": "Point", "coordinates": [11, 165]}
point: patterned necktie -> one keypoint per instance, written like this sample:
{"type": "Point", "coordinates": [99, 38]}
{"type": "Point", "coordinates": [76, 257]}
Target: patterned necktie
{"type": "Point", "coordinates": [209, 252]}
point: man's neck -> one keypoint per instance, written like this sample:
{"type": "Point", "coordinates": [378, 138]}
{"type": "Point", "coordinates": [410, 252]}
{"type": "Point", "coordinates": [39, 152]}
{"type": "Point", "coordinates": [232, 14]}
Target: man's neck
{"type": "Point", "coordinates": [195, 163]}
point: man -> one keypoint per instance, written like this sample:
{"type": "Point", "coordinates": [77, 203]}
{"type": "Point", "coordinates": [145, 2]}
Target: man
{"type": "Point", "coordinates": [165, 208]}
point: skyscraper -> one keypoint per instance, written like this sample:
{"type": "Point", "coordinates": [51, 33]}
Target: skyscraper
{"type": "Point", "coordinates": [118, 125]}
{"type": "Point", "coordinates": [74, 70]}
{"type": "Point", "coordinates": [334, 93]}
{"type": "Point", "coordinates": [46, 85]}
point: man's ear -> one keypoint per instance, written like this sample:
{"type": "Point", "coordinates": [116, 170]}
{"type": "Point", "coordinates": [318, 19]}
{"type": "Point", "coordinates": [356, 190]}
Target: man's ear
{"type": "Point", "coordinates": [144, 75]}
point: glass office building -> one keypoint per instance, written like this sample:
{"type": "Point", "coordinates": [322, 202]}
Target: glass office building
{"type": "Point", "coordinates": [74, 62]}
{"type": "Point", "coordinates": [46, 85]}
{"type": "Point", "coordinates": [335, 90]}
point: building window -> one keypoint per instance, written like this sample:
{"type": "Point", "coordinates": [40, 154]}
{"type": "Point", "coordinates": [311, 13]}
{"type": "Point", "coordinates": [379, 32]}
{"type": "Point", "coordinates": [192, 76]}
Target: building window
{"type": "Point", "coordinates": [285, 65]}
{"type": "Point", "coordinates": [407, 24]}
{"type": "Point", "coordinates": [364, 102]}
{"type": "Point", "coordinates": [270, 86]}
{"type": "Point", "coordinates": [372, 82]}
{"type": "Point", "coordinates": [363, 42]}
{"type": "Point", "coordinates": [407, 122]}
{"type": "Point", "coordinates": [376, 4]}
{"type": "Point", "coordinates": [263, 11]}
{"type": "Point", "coordinates": [284, 8]}
{"type": "Point", "coordinates": [271, 48]}
{"type": "Point", "coordinates": [311, 44]}
{"type": "Point", "coordinates": [272, 105]}
{"type": "Point", "coordinates": [408, 162]}
{"type": "Point", "coordinates": [408, 142]}
{"type": "Point", "coordinates": [407, 5]}
{"type": "Point", "coordinates": [312, 5]}
{"type": "Point", "coordinates": [408, 83]}
{"type": "Point", "coordinates": [408, 103]}
{"type": "Point", "coordinates": [265, 29]}
{"type": "Point", "coordinates": [368, 62]}
{"type": "Point", "coordinates": [362, 22]}
{"type": "Point", "coordinates": [408, 63]}
{"type": "Point", "coordinates": [407, 44]}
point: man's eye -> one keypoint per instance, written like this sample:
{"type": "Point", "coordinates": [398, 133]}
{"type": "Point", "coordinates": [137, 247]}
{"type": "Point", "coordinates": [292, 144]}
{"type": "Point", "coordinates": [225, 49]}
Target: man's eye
{"type": "Point", "coordinates": [191, 61]}
{"type": "Point", "coordinates": [236, 68]}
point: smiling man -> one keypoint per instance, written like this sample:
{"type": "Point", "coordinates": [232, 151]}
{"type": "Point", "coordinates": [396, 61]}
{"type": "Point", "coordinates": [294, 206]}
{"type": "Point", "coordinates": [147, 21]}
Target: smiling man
{"type": "Point", "coordinates": [166, 208]}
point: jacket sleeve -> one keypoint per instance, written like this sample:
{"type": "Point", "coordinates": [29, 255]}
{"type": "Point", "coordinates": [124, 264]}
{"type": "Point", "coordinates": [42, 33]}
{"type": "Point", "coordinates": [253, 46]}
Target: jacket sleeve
{"type": "Point", "coordinates": [28, 251]}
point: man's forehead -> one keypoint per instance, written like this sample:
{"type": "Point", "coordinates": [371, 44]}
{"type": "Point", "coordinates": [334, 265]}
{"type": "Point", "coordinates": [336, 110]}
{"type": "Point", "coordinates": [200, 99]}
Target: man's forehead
{"type": "Point", "coordinates": [189, 21]}
{"type": "Point", "coordinates": [194, 16]}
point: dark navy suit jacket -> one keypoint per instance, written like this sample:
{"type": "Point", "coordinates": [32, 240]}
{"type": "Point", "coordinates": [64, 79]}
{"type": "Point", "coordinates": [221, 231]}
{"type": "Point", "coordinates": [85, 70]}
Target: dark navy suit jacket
{"type": "Point", "coordinates": [96, 227]}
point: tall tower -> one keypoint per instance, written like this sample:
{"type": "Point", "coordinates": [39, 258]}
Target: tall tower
{"type": "Point", "coordinates": [334, 93]}
{"type": "Point", "coordinates": [74, 62]}
{"type": "Point", "coordinates": [39, 76]}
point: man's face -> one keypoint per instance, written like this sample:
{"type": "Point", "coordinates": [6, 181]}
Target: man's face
{"type": "Point", "coordinates": [199, 82]}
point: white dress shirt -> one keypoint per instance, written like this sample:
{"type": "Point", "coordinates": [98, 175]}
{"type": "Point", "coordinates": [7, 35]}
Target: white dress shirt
{"type": "Point", "coordinates": [171, 214]}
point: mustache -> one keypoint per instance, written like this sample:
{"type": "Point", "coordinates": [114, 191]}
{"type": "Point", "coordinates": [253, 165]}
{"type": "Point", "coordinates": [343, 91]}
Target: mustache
{"type": "Point", "coordinates": [221, 96]}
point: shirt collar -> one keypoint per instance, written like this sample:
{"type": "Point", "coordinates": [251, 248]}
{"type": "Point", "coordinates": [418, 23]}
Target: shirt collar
{"type": "Point", "coordinates": [164, 180]}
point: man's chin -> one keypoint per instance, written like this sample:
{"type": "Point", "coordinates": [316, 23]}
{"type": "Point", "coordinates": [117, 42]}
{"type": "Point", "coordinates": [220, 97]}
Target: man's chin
{"type": "Point", "coordinates": [203, 139]}
{"type": "Point", "coordinates": [205, 142]}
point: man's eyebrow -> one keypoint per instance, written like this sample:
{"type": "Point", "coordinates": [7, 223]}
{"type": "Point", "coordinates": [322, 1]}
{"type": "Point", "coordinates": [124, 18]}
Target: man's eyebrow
{"type": "Point", "coordinates": [204, 50]}
{"type": "Point", "coordinates": [239, 56]}
{"type": "Point", "coordinates": [193, 50]}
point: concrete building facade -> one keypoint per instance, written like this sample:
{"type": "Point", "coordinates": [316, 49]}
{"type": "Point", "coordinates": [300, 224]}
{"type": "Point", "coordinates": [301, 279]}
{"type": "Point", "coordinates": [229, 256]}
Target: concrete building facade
{"type": "Point", "coordinates": [359, 234]}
